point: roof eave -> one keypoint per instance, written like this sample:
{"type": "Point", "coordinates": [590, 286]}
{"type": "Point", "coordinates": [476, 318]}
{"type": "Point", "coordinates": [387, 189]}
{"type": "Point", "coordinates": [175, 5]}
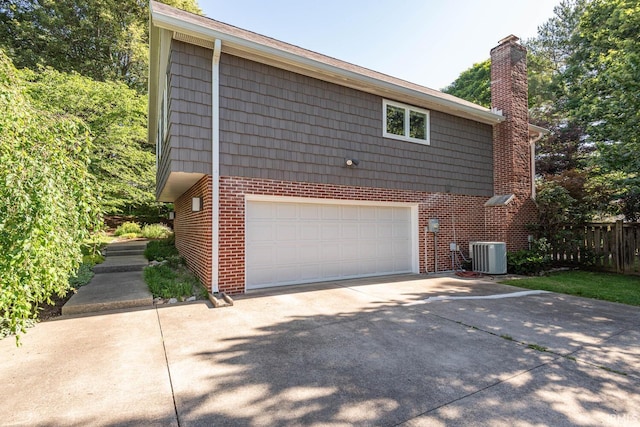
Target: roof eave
{"type": "Point", "coordinates": [247, 48]}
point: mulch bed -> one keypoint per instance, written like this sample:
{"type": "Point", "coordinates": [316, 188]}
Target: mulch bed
{"type": "Point", "coordinates": [49, 312]}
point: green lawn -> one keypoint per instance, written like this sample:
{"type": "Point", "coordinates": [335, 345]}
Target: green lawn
{"type": "Point", "coordinates": [603, 286]}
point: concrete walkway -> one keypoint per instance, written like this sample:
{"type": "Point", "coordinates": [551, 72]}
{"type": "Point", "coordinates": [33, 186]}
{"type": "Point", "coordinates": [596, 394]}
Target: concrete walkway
{"type": "Point", "coordinates": [355, 352]}
{"type": "Point", "coordinates": [118, 282]}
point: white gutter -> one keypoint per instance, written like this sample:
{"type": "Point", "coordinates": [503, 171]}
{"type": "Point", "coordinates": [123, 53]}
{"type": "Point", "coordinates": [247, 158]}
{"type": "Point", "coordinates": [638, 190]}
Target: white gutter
{"type": "Point", "coordinates": [541, 132]}
{"type": "Point", "coordinates": [215, 162]}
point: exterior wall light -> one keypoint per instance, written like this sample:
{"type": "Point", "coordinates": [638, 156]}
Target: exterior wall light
{"type": "Point", "coordinates": [351, 162]}
{"type": "Point", "coordinates": [172, 215]}
{"type": "Point", "coordinates": [196, 204]}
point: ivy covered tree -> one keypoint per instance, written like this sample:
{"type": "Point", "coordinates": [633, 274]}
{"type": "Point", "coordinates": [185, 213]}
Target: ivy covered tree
{"type": "Point", "coordinates": [47, 203]}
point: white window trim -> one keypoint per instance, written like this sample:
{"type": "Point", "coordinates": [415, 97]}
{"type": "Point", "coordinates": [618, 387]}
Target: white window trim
{"type": "Point", "coordinates": [407, 109]}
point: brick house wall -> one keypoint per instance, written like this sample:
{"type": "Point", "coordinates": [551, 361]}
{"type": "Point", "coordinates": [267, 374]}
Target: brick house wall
{"type": "Point", "coordinates": [460, 219]}
{"type": "Point", "coordinates": [193, 230]}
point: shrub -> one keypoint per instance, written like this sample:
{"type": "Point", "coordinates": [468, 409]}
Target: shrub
{"type": "Point", "coordinates": [156, 231]}
{"type": "Point", "coordinates": [529, 262]}
{"type": "Point", "coordinates": [92, 259]}
{"type": "Point", "coordinates": [160, 250]}
{"type": "Point", "coordinates": [130, 236]}
{"type": "Point", "coordinates": [166, 282]}
{"type": "Point", "coordinates": [82, 276]}
{"type": "Point", "coordinates": [47, 200]}
{"type": "Point", "coordinates": [128, 228]}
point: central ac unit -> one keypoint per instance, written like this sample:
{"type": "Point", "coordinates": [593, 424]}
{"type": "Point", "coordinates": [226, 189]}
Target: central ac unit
{"type": "Point", "coordinates": [489, 257]}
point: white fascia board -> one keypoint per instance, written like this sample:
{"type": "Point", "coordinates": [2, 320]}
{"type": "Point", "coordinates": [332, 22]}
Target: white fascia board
{"type": "Point", "coordinates": [152, 84]}
{"type": "Point", "coordinates": [335, 74]}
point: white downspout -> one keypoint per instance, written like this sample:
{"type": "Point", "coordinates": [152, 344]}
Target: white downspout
{"type": "Point", "coordinates": [533, 163]}
{"type": "Point", "coordinates": [215, 162]}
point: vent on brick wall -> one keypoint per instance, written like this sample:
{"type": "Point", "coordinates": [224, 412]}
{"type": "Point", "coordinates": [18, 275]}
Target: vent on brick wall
{"type": "Point", "coordinates": [489, 257]}
{"type": "Point", "coordinates": [193, 40]}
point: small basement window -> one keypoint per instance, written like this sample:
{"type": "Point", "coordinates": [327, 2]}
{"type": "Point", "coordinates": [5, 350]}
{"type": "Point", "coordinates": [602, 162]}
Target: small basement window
{"type": "Point", "coordinates": [405, 122]}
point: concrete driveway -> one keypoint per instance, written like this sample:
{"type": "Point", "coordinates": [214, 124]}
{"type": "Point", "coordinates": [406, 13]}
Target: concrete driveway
{"type": "Point", "coordinates": [360, 352]}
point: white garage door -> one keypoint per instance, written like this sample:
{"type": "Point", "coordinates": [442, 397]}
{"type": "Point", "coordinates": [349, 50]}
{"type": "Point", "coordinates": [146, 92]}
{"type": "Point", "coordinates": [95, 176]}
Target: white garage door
{"type": "Point", "coordinates": [292, 243]}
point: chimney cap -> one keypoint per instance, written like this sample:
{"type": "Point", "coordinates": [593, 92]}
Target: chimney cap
{"type": "Point", "coordinates": [509, 39]}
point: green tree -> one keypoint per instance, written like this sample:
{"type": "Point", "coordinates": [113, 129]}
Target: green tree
{"type": "Point", "coordinates": [102, 39]}
{"type": "Point", "coordinates": [47, 203]}
{"type": "Point", "coordinates": [603, 78]}
{"type": "Point", "coordinates": [122, 161]}
{"type": "Point", "coordinates": [473, 84]}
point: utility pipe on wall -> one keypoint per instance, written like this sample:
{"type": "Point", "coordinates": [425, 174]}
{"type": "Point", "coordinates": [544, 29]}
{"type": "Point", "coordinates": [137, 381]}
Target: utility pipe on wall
{"type": "Point", "coordinates": [533, 163]}
{"type": "Point", "coordinates": [215, 162]}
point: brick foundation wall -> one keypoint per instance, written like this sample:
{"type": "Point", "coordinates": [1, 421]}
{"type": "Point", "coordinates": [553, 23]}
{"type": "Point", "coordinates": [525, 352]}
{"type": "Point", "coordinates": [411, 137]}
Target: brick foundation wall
{"type": "Point", "coordinates": [461, 218]}
{"type": "Point", "coordinates": [193, 230]}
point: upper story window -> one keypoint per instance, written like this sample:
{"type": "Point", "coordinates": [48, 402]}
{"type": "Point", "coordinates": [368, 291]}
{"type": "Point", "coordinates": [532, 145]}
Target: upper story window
{"type": "Point", "coordinates": [405, 122]}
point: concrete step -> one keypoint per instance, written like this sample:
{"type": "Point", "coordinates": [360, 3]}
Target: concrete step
{"type": "Point", "coordinates": [111, 291]}
{"type": "Point", "coordinates": [115, 264]}
{"type": "Point", "coordinates": [127, 252]}
{"type": "Point", "coordinates": [137, 246]}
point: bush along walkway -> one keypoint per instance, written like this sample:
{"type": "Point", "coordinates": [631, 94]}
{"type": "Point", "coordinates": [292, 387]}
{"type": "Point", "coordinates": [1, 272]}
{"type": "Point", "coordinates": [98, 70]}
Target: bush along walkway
{"type": "Point", "coordinates": [118, 282]}
{"type": "Point", "coordinates": [168, 277]}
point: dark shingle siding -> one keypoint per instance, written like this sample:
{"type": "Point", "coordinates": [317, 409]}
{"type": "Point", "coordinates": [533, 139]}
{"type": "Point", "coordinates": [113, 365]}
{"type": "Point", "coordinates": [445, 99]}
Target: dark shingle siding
{"type": "Point", "coordinates": [280, 125]}
{"type": "Point", "coordinates": [189, 108]}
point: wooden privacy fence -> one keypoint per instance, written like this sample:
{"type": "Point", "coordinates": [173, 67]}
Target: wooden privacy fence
{"type": "Point", "coordinates": [604, 246]}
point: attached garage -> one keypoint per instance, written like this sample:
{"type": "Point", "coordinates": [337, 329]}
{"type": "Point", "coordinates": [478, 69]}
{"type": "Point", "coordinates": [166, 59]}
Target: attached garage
{"type": "Point", "coordinates": [292, 241]}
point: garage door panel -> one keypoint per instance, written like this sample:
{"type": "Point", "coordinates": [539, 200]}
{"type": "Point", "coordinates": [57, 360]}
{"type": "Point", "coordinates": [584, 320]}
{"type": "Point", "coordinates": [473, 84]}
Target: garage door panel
{"type": "Point", "coordinates": [310, 231]}
{"type": "Point", "coordinates": [350, 231]}
{"type": "Point", "coordinates": [306, 242]}
{"type": "Point", "coordinates": [286, 253]}
{"type": "Point", "coordinates": [330, 230]}
{"type": "Point", "coordinates": [308, 254]}
{"type": "Point", "coordinates": [350, 213]}
{"type": "Point", "coordinates": [331, 212]}
{"type": "Point", "coordinates": [384, 230]}
{"type": "Point", "coordinates": [286, 232]}
{"type": "Point", "coordinates": [261, 231]}
{"type": "Point", "coordinates": [262, 255]}
{"type": "Point", "coordinates": [287, 211]}
{"type": "Point", "coordinates": [384, 214]}
{"type": "Point", "coordinates": [350, 250]}
{"type": "Point", "coordinates": [261, 211]}
{"type": "Point", "coordinates": [310, 211]}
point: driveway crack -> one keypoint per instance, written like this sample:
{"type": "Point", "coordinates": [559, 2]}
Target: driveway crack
{"type": "Point", "coordinates": [166, 359]}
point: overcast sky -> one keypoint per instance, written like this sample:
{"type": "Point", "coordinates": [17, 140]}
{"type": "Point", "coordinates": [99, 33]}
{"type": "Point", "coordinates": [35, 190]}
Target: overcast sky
{"type": "Point", "coordinates": [427, 42]}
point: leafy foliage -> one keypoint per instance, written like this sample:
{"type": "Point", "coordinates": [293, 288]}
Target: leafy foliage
{"type": "Point", "coordinates": [603, 78]}
{"type": "Point", "coordinates": [160, 250]}
{"type": "Point", "coordinates": [128, 228]}
{"type": "Point", "coordinates": [584, 77]}
{"type": "Point", "coordinates": [167, 282]}
{"type": "Point", "coordinates": [473, 84]}
{"type": "Point", "coordinates": [46, 200]}
{"type": "Point", "coordinates": [122, 161]}
{"type": "Point", "coordinates": [156, 231]}
{"type": "Point", "coordinates": [101, 39]}
{"type": "Point", "coordinates": [532, 261]}
{"type": "Point", "coordinates": [82, 276]}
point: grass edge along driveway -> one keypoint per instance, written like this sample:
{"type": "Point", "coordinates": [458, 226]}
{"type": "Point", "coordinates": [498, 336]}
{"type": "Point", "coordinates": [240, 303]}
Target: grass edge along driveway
{"type": "Point", "coordinates": [603, 286]}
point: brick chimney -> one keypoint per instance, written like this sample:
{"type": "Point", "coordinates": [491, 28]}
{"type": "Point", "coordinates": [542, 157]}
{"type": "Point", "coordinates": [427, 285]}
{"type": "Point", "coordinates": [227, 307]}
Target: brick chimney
{"type": "Point", "coordinates": [512, 209]}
